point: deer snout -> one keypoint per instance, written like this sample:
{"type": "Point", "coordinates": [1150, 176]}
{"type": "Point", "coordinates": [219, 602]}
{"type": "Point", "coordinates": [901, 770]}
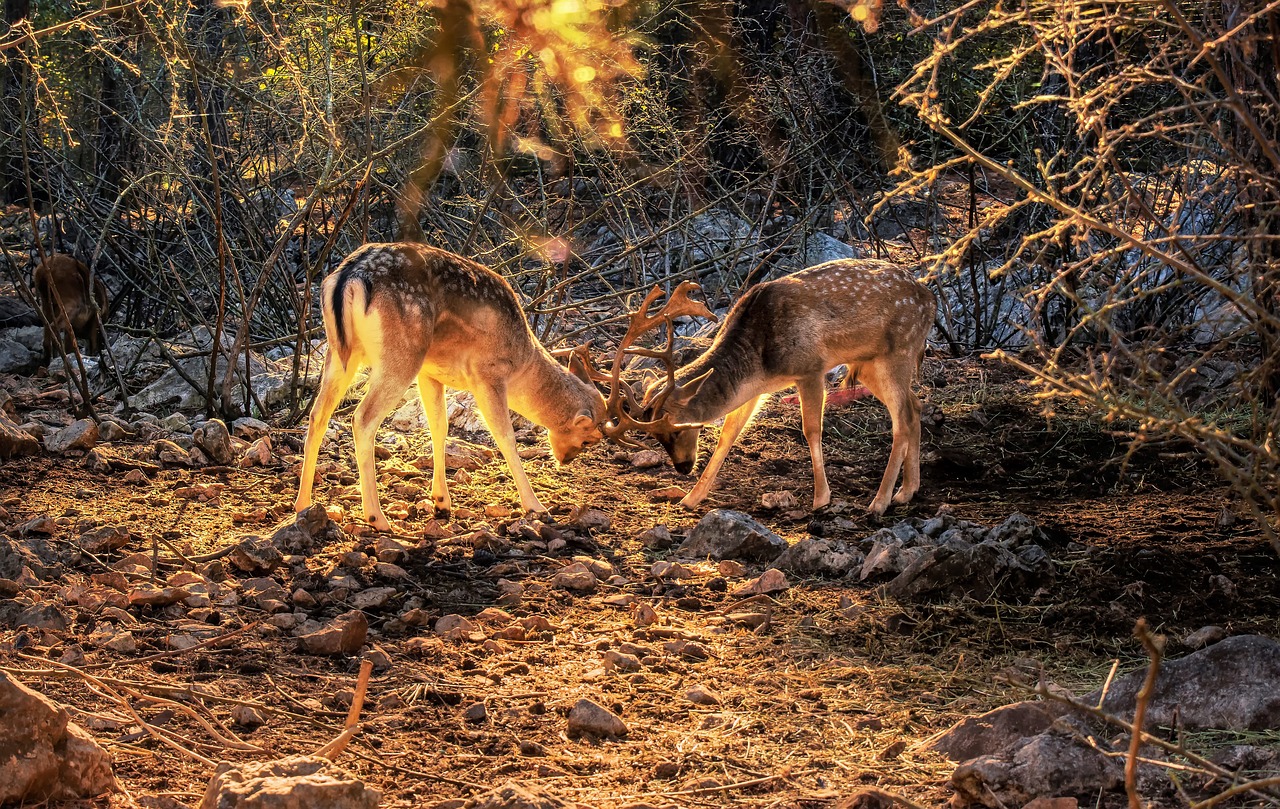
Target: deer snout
{"type": "Point", "coordinates": [684, 467]}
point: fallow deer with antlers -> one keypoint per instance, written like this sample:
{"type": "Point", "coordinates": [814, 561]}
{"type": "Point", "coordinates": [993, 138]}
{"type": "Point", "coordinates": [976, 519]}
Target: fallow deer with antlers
{"type": "Point", "coordinates": [407, 310]}
{"type": "Point", "coordinates": [872, 316]}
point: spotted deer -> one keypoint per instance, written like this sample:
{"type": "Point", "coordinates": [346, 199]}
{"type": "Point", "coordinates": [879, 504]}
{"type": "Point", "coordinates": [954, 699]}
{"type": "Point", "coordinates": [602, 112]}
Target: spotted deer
{"type": "Point", "coordinates": [870, 315]}
{"type": "Point", "coordinates": [62, 288]}
{"type": "Point", "coordinates": [407, 310]}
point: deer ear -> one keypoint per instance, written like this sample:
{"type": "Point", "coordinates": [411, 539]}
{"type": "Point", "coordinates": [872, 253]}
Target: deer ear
{"type": "Point", "coordinates": [578, 367]}
{"type": "Point", "coordinates": [686, 392]}
{"type": "Point", "coordinates": [583, 420]}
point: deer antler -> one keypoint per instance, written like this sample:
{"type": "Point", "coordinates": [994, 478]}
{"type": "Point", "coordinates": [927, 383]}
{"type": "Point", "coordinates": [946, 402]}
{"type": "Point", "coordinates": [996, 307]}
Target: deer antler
{"type": "Point", "coordinates": [679, 304]}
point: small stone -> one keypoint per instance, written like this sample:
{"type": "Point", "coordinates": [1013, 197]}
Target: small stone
{"type": "Point", "coordinates": [303, 599]}
{"type": "Point", "coordinates": [249, 428]}
{"type": "Point", "coordinates": [771, 581]}
{"type": "Point", "coordinates": [532, 749]}
{"type": "Point", "coordinates": [374, 598]}
{"type": "Point", "coordinates": [110, 431]}
{"type": "Point", "coordinates": [647, 459]}
{"type": "Point", "coordinates": [702, 695]}
{"type": "Point", "coordinates": [256, 556]}
{"type": "Point", "coordinates": [778, 501]}
{"type": "Point", "coordinates": [214, 440]}
{"type": "Point", "coordinates": [614, 659]}
{"type": "Point", "coordinates": [731, 569]}
{"type": "Point", "coordinates": [670, 570]}
{"type": "Point", "coordinates": [81, 434]}
{"type": "Point", "coordinates": [657, 538]}
{"type": "Point", "coordinates": [247, 716]}
{"type": "Point", "coordinates": [594, 519]}
{"type": "Point", "coordinates": [1204, 636]}
{"type": "Point", "coordinates": [588, 718]}
{"type": "Point", "coordinates": [147, 596]}
{"type": "Point", "coordinates": [379, 657]}
{"type": "Point", "coordinates": [104, 539]}
{"type": "Point", "coordinates": [475, 713]}
{"type": "Point", "coordinates": [386, 570]}
{"type": "Point", "coordinates": [644, 615]}
{"type": "Point", "coordinates": [46, 757]}
{"type": "Point", "coordinates": [667, 494]}
{"type": "Point", "coordinates": [576, 577]}
{"type": "Point", "coordinates": [122, 642]}
{"type": "Point", "coordinates": [343, 635]}
{"type": "Point", "coordinates": [454, 625]}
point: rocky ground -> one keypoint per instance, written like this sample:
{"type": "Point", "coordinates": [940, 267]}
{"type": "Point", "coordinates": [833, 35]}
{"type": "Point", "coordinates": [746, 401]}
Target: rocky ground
{"type": "Point", "coordinates": [155, 584]}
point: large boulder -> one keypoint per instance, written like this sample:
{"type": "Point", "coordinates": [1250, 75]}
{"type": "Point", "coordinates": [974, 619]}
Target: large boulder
{"type": "Point", "coordinates": [829, 558]}
{"type": "Point", "coordinates": [310, 528]}
{"type": "Point", "coordinates": [43, 755]}
{"type": "Point", "coordinates": [981, 571]}
{"type": "Point", "coordinates": [994, 730]}
{"type": "Point", "coordinates": [1232, 685]}
{"type": "Point", "coordinates": [297, 782]}
{"type": "Point", "coordinates": [726, 534]}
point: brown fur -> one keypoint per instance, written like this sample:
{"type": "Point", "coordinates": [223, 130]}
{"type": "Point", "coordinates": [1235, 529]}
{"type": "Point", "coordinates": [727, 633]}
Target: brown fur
{"type": "Point", "coordinates": [62, 287]}
{"type": "Point", "coordinates": [871, 315]}
{"type": "Point", "coordinates": [407, 310]}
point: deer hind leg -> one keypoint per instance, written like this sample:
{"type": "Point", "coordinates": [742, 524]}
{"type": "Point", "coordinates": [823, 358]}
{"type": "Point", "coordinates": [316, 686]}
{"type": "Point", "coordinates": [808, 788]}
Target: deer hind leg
{"type": "Point", "coordinates": [491, 400]}
{"type": "Point", "coordinates": [431, 392]}
{"type": "Point", "coordinates": [812, 400]}
{"type": "Point", "coordinates": [334, 381]}
{"type": "Point", "coordinates": [733, 424]}
{"type": "Point", "coordinates": [890, 380]}
{"type": "Point", "coordinates": [388, 379]}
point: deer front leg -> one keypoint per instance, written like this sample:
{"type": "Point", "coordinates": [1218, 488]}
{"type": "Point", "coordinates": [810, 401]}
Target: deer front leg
{"type": "Point", "coordinates": [733, 424]}
{"type": "Point", "coordinates": [333, 383]}
{"type": "Point", "coordinates": [812, 401]}
{"type": "Point", "coordinates": [432, 394]}
{"type": "Point", "coordinates": [492, 403]}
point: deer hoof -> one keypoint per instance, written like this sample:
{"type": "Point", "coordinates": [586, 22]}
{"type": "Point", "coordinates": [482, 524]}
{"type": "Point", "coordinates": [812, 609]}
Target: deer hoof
{"type": "Point", "coordinates": [877, 508]}
{"type": "Point", "coordinates": [380, 523]}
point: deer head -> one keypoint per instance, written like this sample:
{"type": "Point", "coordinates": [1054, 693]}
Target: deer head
{"type": "Point", "coordinates": [664, 397]}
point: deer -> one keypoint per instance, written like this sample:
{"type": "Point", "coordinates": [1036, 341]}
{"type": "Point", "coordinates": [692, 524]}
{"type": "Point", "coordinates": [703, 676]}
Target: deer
{"type": "Point", "coordinates": [870, 315]}
{"type": "Point", "coordinates": [70, 315]}
{"type": "Point", "coordinates": [407, 310]}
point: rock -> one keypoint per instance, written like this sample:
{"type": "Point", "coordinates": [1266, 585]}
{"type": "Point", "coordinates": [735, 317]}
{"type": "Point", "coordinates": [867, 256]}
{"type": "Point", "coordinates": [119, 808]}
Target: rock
{"type": "Point", "coordinates": [1050, 764]}
{"type": "Point", "coordinates": [475, 713]}
{"type": "Point", "coordinates": [169, 453]}
{"type": "Point", "coordinates": [1204, 636]}
{"type": "Point", "coordinates": [81, 434]}
{"type": "Point", "coordinates": [778, 501]}
{"type": "Point", "coordinates": [45, 617]}
{"type": "Point", "coordinates": [343, 635]}
{"type": "Point", "coordinates": [647, 459]}
{"type": "Point", "coordinates": [771, 581]}
{"type": "Point", "coordinates": [594, 519]}
{"type": "Point", "coordinates": [702, 695]}
{"type": "Point", "coordinates": [615, 660]}
{"type": "Point", "coordinates": [731, 569]}
{"type": "Point", "coordinates": [15, 313]}
{"type": "Point", "coordinates": [249, 428]}
{"type": "Point", "coordinates": [657, 538]}
{"type": "Point", "coordinates": [819, 248]}
{"type": "Point", "coordinates": [111, 431]}
{"type": "Point", "coordinates": [587, 718]}
{"type": "Point", "coordinates": [247, 716]}
{"type": "Point", "coordinates": [1231, 685]}
{"type": "Point", "coordinates": [1017, 530]}
{"type": "Point", "coordinates": [667, 494]}
{"type": "Point", "coordinates": [256, 556]}
{"type": "Point", "coordinates": [297, 782]}
{"type": "Point", "coordinates": [148, 596]}
{"type": "Point", "coordinates": [576, 577]}
{"type": "Point", "coordinates": [263, 591]}
{"type": "Point", "coordinates": [982, 571]}
{"type": "Point", "coordinates": [993, 731]}
{"type": "Point", "coordinates": [830, 558]}
{"type": "Point", "coordinates": [310, 527]}
{"type": "Point", "coordinates": [214, 438]}
{"type": "Point", "coordinates": [32, 552]}
{"type": "Point", "coordinates": [15, 357]}
{"type": "Point", "coordinates": [671, 570]}
{"type": "Point", "coordinates": [43, 755]}
{"type": "Point", "coordinates": [454, 626]}
{"type": "Point", "coordinates": [104, 539]}
{"type": "Point", "coordinates": [375, 598]}
{"type": "Point", "coordinates": [725, 534]}
{"type": "Point", "coordinates": [14, 441]}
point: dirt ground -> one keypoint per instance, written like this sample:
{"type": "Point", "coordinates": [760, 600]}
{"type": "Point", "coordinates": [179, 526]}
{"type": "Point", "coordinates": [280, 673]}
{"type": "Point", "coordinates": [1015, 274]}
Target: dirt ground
{"type": "Point", "coordinates": [833, 694]}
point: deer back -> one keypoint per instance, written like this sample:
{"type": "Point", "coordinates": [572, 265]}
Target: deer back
{"type": "Point", "coordinates": [417, 287]}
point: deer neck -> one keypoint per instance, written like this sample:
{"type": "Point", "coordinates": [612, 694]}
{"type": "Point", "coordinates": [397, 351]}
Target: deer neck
{"type": "Point", "coordinates": [736, 374]}
{"type": "Point", "coordinates": [544, 392]}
